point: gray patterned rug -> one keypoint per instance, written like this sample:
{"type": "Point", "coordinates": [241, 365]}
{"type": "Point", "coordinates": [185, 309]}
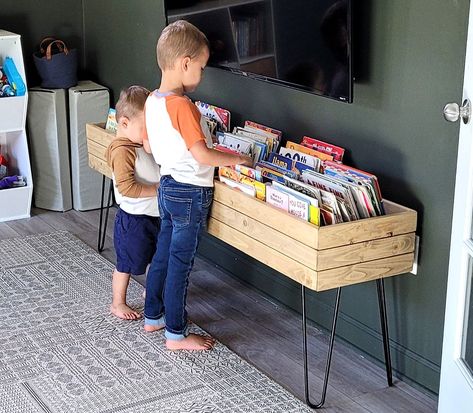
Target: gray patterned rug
{"type": "Point", "coordinates": [61, 350]}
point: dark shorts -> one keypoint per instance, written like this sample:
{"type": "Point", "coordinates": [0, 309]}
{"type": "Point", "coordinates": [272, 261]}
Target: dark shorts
{"type": "Point", "coordinates": [135, 238]}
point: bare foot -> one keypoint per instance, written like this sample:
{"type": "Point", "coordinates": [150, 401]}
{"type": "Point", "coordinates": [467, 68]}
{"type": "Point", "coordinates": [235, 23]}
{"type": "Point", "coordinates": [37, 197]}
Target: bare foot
{"type": "Point", "coordinates": [125, 312]}
{"type": "Point", "coordinates": [150, 328]}
{"type": "Point", "coordinates": [191, 342]}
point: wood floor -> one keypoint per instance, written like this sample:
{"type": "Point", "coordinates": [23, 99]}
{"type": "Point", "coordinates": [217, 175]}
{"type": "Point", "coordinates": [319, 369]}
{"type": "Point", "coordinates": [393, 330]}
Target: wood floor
{"type": "Point", "coordinates": [263, 332]}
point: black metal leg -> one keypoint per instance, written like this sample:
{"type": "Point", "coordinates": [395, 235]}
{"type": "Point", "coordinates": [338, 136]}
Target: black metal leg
{"type": "Point", "coordinates": [384, 329]}
{"type": "Point", "coordinates": [330, 349]}
{"type": "Point", "coordinates": [103, 230]}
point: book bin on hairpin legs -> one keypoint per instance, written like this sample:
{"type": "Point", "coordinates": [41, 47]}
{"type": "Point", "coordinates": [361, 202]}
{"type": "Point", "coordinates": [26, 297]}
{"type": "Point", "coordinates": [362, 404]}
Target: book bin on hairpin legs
{"type": "Point", "coordinates": [317, 258]}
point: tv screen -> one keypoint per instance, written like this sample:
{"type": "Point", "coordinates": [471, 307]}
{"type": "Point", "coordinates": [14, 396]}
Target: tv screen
{"type": "Point", "coordinates": [305, 44]}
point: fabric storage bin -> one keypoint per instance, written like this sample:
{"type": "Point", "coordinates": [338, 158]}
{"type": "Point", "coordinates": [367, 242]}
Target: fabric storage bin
{"type": "Point", "coordinates": [88, 103]}
{"type": "Point", "coordinates": [49, 139]}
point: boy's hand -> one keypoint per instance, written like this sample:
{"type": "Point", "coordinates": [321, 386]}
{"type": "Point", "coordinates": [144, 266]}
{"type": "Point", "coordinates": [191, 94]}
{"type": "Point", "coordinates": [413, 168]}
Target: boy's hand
{"type": "Point", "coordinates": [245, 160]}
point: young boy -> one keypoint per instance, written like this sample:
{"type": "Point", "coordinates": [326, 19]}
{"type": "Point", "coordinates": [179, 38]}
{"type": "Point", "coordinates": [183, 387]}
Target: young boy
{"type": "Point", "coordinates": [180, 142]}
{"type": "Point", "coordinates": [135, 178]}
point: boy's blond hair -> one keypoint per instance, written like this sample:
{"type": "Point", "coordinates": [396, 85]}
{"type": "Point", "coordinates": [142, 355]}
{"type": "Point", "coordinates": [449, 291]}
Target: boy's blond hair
{"type": "Point", "coordinates": [179, 39]}
{"type": "Point", "coordinates": [131, 102]}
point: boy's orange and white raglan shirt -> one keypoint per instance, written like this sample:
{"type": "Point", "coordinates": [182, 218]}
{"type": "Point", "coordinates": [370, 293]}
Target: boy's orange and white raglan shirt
{"type": "Point", "coordinates": [174, 124]}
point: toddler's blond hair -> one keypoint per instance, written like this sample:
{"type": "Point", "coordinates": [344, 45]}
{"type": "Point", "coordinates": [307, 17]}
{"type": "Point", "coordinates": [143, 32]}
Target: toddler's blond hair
{"type": "Point", "coordinates": [131, 102]}
{"type": "Point", "coordinates": [179, 39]}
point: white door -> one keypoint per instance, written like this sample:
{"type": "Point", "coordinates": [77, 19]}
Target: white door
{"type": "Point", "coordinates": [456, 376]}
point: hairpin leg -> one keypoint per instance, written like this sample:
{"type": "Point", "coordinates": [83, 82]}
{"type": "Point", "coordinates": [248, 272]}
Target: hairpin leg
{"type": "Point", "coordinates": [330, 350]}
{"type": "Point", "coordinates": [103, 231]}
{"type": "Point", "coordinates": [384, 329]}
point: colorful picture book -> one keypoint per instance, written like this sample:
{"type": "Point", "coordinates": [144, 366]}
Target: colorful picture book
{"type": "Point", "coordinates": [219, 115]}
{"type": "Point", "coordinates": [111, 123]}
{"type": "Point", "coordinates": [230, 173]}
{"type": "Point", "coordinates": [336, 151]}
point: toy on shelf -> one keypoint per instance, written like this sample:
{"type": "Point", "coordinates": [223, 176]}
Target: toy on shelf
{"type": "Point", "coordinates": [11, 83]}
{"type": "Point", "coordinates": [12, 181]}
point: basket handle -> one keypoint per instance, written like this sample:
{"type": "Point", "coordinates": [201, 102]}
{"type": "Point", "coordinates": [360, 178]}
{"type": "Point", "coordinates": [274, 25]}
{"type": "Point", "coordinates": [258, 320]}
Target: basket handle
{"type": "Point", "coordinates": [61, 44]}
{"type": "Point", "coordinates": [42, 49]}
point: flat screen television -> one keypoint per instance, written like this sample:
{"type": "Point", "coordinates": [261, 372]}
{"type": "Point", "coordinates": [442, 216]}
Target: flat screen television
{"type": "Point", "coordinates": [303, 44]}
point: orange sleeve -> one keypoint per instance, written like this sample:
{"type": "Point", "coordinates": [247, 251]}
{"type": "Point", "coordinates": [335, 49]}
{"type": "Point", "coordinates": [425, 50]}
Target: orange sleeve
{"type": "Point", "coordinates": [185, 118]}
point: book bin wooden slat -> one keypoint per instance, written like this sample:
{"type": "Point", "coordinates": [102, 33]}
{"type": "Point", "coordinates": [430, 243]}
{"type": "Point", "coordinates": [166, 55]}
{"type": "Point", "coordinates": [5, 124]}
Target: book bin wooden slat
{"type": "Point", "coordinates": [320, 258]}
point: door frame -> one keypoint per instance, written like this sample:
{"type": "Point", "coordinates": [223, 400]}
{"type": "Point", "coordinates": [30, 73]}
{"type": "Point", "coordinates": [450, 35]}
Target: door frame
{"type": "Point", "coordinates": [456, 380]}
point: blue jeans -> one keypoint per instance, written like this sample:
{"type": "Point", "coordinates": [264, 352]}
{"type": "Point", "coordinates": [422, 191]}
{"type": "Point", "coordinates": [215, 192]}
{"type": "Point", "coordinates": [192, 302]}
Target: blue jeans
{"type": "Point", "coordinates": [184, 210]}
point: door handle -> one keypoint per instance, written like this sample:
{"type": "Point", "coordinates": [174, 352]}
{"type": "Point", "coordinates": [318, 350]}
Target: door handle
{"type": "Point", "coordinates": [452, 111]}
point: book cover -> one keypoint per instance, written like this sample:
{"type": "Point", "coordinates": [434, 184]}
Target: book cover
{"type": "Point", "coordinates": [336, 151]}
{"type": "Point", "coordinates": [304, 149]}
{"type": "Point", "coordinates": [314, 215]}
{"type": "Point", "coordinates": [247, 189]}
{"type": "Point", "coordinates": [232, 174]}
{"type": "Point", "coordinates": [300, 157]}
{"type": "Point", "coordinates": [258, 135]}
{"type": "Point", "coordinates": [212, 125]}
{"type": "Point", "coordinates": [111, 124]}
{"type": "Point", "coordinates": [238, 143]}
{"type": "Point", "coordinates": [338, 188]}
{"type": "Point", "coordinates": [277, 198]}
{"type": "Point", "coordinates": [268, 174]}
{"type": "Point", "coordinates": [223, 148]}
{"type": "Point", "coordinates": [351, 171]}
{"type": "Point", "coordinates": [298, 203]}
{"type": "Point", "coordinates": [256, 125]}
{"type": "Point", "coordinates": [270, 133]}
{"type": "Point", "coordinates": [288, 163]}
{"type": "Point", "coordinates": [250, 172]}
{"type": "Point", "coordinates": [276, 168]}
{"type": "Point", "coordinates": [220, 115]}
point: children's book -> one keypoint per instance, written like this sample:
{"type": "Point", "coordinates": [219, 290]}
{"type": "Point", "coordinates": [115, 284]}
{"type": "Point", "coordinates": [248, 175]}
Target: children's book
{"type": "Point", "coordinates": [247, 189]}
{"type": "Point", "coordinates": [212, 125]}
{"type": "Point", "coordinates": [288, 163]}
{"type": "Point", "coordinates": [336, 151]}
{"type": "Point", "coordinates": [339, 188]}
{"type": "Point", "coordinates": [358, 176]}
{"type": "Point", "coordinates": [269, 174]}
{"type": "Point", "coordinates": [326, 200]}
{"type": "Point", "coordinates": [220, 115]}
{"type": "Point", "coordinates": [273, 134]}
{"type": "Point", "coordinates": [230, 173]}
{"type": "Point", "coordinates": [238, 143]}
{"type": "Point", "coordinates": [361, 194]}
{"type": "Point", "coordinates": [260, 141]}
{"type": "Point", "coordinates": [309, 151]}
{"type": "Point", "coordinates": [111, 124]}
{"type": "Point", "coordinates": [277, 168]}
{"type": "Point", "coordinates": [264, 128]}
{"type": "Point", "coordinates": [223, 148]}
{"type": "Point", "coordinates": [277, 198]}
{"type": "Point", "coordinates": [295, 198]}
{"type": "Point", "coordinates": [250, 172]}
{"type": "Point", "coordinates": [300, 157]}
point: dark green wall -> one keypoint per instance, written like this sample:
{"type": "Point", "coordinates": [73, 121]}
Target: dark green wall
{"type": "Point", "coordinates": [410, 63]}
{"type": "Point", "coordinates": [35, 20]}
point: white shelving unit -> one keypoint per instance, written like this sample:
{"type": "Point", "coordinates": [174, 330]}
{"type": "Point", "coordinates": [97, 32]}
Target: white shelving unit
{"type": "Point", "coordinates": [15, 203]}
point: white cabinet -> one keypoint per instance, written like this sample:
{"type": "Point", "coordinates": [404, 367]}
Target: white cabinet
{"type": "Point", "coordinates": [15, 203]}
